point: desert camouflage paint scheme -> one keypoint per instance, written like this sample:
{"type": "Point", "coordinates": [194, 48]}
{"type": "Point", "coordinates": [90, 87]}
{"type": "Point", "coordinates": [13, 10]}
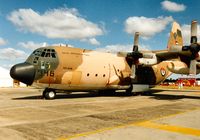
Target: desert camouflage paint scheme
{"type": "Point", "coordinates": [79, 69]}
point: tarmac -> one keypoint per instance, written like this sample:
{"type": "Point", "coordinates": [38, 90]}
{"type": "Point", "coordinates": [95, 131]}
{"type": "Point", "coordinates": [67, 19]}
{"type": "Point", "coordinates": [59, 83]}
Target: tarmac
{"type": "Point", "coordinates": [166, 115]}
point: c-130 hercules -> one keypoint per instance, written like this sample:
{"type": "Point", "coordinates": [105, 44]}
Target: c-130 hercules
{"type": "Point", "coordinates": [58, 69]}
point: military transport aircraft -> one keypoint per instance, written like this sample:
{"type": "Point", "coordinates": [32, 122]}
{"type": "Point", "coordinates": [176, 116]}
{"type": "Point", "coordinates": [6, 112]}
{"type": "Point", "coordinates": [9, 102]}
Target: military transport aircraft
{"type": "Point", "coordinates": [58, 69]}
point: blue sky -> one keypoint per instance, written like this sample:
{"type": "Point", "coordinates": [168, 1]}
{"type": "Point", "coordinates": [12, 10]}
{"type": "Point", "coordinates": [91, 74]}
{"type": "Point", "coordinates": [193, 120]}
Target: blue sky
{"type": "Point", "coordinates": [106, 25]}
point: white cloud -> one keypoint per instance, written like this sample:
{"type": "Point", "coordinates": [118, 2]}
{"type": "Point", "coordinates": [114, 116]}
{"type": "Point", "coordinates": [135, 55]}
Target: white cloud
{"type": "Point", "coordinates": [5, 79]}
{"type": "Point", "coordinates": [32, 45]}
{"type": "Point", "coordinates": [115, 21]}
{"type": "Point", "coordinates": [147, 27]}
{"type": "Point", "coordinates": [91, 41]}
{"type": "Point", "coordinates": [116, 48]}
{"type": "Point", "coordinates": [57, 23]}
{"type": "Point", "coordinates": [121, 48]}
{"type": "Point", "coordinates": [7, 66]}
{"type": "Point", "coordinates": [12, 54]}
{"type": "Point", "coordinates": [172, 6]}
{"type": "Point", "coordinates": [4, 72]}
{"type": "Point", "coordinates": [186, 31]}
{"type": "Point", "coordinates": [2, 42]}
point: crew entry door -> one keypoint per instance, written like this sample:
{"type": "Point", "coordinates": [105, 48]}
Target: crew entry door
{"type": "Point", "coordinates": [46, 70]}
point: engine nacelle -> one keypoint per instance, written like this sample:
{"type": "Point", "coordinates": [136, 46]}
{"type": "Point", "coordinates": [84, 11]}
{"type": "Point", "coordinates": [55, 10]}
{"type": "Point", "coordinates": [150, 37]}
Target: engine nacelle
{"type": "Point", "coordinates": [178, 67]}
{"type": "Point", "coordinates": [175, 48]}
{"type": "Point", "coordinates": [148, 59]}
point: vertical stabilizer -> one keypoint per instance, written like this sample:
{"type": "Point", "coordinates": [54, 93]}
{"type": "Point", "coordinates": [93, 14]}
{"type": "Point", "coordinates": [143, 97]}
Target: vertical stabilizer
{"type": "Point", "coordinates": [175, 41]}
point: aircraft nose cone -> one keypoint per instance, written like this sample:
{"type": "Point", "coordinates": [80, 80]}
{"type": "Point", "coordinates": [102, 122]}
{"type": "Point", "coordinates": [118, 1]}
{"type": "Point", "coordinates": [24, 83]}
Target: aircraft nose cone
{"type": "Point", "coordinates": [23, 72]}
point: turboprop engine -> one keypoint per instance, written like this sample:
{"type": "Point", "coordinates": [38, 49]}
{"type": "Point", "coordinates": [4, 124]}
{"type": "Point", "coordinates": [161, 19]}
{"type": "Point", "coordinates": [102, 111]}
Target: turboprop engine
{"type": "Point", "coordinates": [179, 67]}
{"type": "Point", "coordinates": [148, 59]}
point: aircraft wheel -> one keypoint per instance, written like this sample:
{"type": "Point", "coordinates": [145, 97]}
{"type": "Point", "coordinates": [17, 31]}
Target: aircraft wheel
{"type": "Point", "coordinates": [129, 91]}
{"type": "Point", "coordinates": [147, 93]}
{"type": "Point", "coordinates": [101, 92]}
{"type": "Point", "coordinates": [106, 92]}
{"type": "Point", "coordinates": [49, 94]}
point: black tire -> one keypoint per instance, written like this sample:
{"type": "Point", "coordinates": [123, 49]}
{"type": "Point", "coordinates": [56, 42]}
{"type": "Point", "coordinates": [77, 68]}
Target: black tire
{"type": "Point", "coordinates": [106, 92]}
{"type": "Point", "coordinates": [129, 91]}
{"type": "Point", "coordinates": [147, 93]}
{"type": "Point", "coordinates": [49, 94]}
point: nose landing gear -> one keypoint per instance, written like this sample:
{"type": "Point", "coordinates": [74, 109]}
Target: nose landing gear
{"type": "Point", "coordinates": [49, 94]}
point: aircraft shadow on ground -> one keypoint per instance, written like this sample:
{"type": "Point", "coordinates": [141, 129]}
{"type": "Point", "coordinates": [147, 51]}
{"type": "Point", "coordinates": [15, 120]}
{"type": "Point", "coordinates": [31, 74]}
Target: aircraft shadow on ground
{"type": "Point", "coordinates": [160, 96]}
{"type": "Point", "coordinates": [71, 96]}
{"type": "Point", "coordinates": [153, 94]}
{"type": "Point", "coordinates": [59, 96]}
{"type": "Point", "coordinates": [75, 95]}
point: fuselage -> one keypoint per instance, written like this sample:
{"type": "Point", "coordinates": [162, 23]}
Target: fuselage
{"type": "Point", "coordinates": [79, 69]}
{"type": "Point", "coordinates": [76, 69]}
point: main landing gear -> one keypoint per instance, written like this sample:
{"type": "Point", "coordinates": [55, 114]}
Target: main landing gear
{"type": "Point", "coordinates": [129, 91]}
{"type": "Point", "coordinates": [49, 94]}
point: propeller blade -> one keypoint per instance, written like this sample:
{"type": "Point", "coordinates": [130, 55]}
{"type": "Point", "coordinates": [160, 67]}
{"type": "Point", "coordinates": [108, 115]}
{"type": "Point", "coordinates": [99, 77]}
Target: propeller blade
{"type": "Point", "coordinates": [133, 70]}
{"type": "Point", "coordinates": [193, 67]}
{"type": "Point", "coordinates": [135, 55]}
{"type": "Point", "coordinates": [193, 32]}
{"type": "Point", "coordinates": [136, 41]}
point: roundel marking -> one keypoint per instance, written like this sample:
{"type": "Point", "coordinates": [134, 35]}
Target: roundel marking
{"type": "Point", "coordinates": [162, 71]}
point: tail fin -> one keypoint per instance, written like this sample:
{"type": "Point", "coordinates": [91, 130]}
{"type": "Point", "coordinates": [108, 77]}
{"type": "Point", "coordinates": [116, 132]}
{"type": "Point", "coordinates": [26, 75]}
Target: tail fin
{"type": "Point", "coordinates": [175, 41]}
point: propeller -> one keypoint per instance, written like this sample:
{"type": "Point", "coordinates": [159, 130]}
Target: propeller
{"type": "Point", "coordinates": [194, 48]}
{"type": "Point", "coordinates": [136, 40]}
{"type": "Point", "coordinates": [135, 55]}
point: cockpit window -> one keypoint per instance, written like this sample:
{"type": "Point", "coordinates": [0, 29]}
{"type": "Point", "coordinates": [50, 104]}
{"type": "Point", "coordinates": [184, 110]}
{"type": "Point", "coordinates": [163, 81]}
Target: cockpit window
{"type": "Point", "coordinates": [45, 53]}
{"type": "Point", "coordinates": [35, 61]}
{"type": "Point", "coordinates": [37, 52]}
{"type": "Point", "coordinates": [49, 53]}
